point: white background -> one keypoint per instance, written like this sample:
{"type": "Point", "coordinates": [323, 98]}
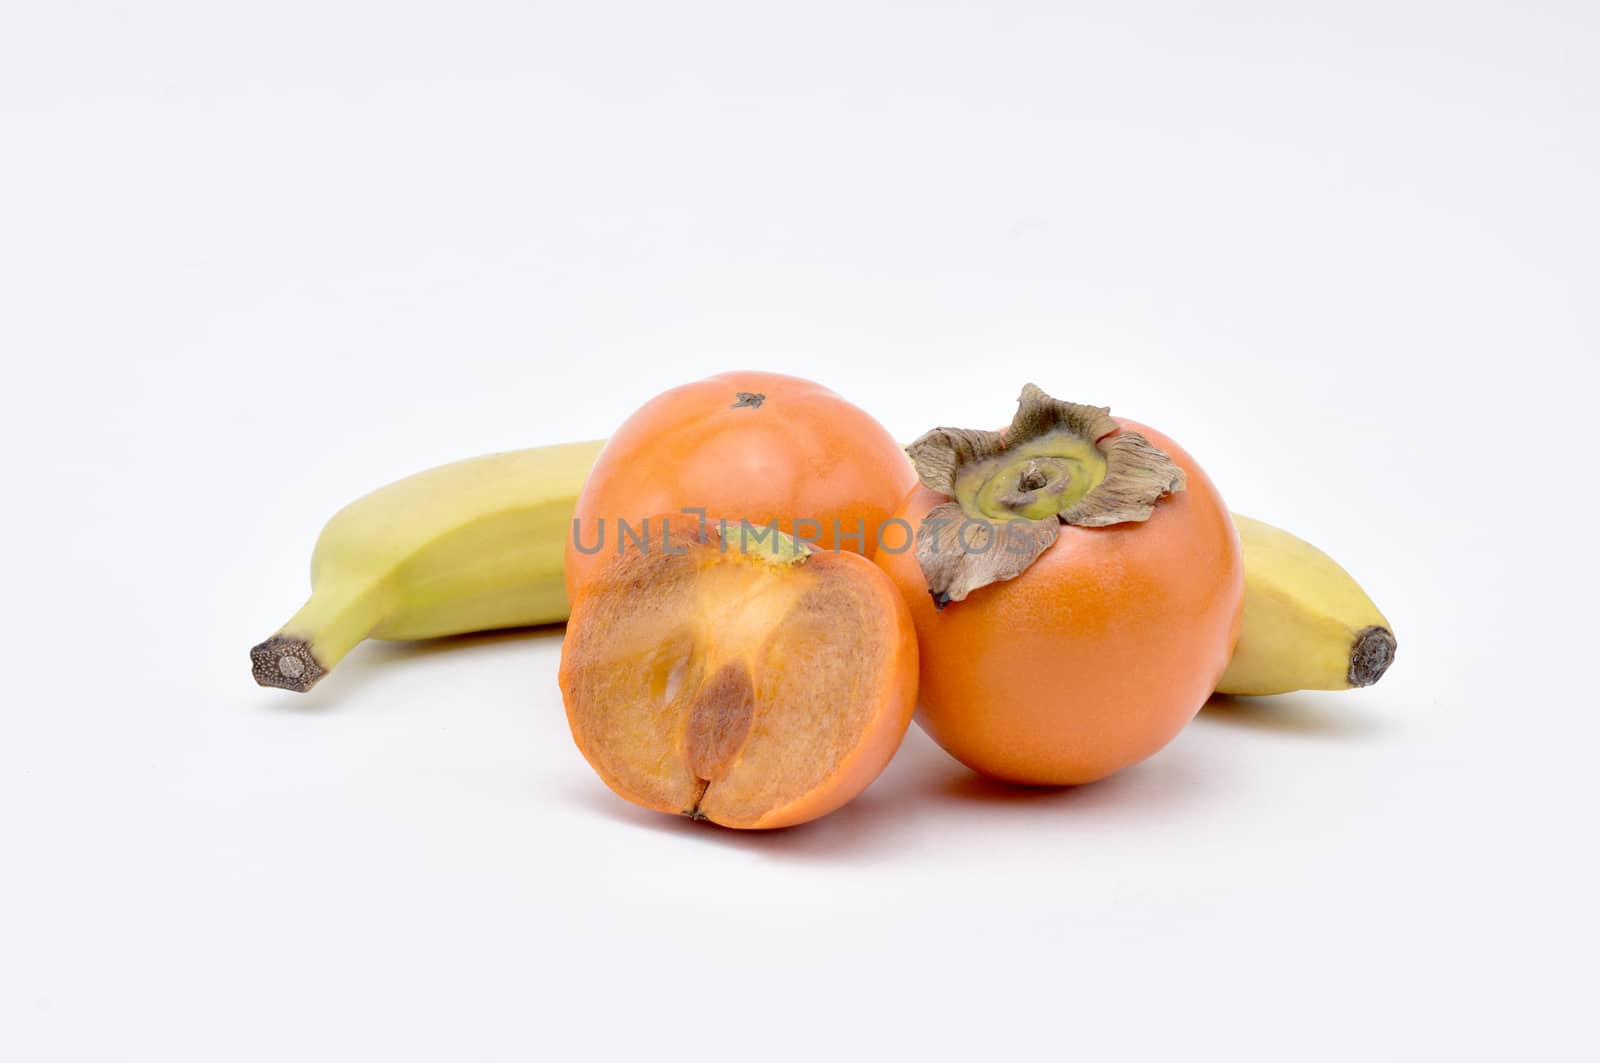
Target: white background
{"type": "Point", "coordinates": [258, 259]}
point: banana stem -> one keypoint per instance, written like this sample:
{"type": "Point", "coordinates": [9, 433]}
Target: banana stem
{"type": "Point", "coordinates": [328, 626]}
{"type": "Point", "coordinates": [1370, 656]}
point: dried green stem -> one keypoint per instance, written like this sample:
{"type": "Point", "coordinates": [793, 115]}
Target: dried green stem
{"type": "Point", "coordinates": [1058, 463]}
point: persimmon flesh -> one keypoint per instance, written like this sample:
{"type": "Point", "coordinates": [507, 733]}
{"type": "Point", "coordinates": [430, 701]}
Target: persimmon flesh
{"type": "Point", "coordinates": [754, 688]}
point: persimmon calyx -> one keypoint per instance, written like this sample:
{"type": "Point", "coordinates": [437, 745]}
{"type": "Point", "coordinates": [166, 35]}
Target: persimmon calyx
{"type": "Point", "coordinates": [1010, 492]}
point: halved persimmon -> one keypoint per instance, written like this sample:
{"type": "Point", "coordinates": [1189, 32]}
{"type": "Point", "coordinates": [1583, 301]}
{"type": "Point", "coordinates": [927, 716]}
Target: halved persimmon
{"type": "Point", "coordinates": [735, 675]}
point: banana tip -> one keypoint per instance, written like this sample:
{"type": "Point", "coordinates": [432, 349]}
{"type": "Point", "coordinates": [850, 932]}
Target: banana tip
{"type": "Point", "coordinates": [285, 662]}
{"type": "Point", "coordinates": [1371, 656]}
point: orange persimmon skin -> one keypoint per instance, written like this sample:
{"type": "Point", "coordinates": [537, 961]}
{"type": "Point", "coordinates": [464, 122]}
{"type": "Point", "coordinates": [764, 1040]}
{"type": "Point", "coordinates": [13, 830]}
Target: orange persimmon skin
{"type": "Point", "coordinates": [802, 454]}
{"type": "Point", "coordinates": [1097, 655]}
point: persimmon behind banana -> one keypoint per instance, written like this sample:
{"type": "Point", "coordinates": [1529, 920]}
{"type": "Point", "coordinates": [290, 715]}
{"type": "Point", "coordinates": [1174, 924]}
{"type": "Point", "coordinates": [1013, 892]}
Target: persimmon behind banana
{"type": "Point", "coordinates": [1076, 586]}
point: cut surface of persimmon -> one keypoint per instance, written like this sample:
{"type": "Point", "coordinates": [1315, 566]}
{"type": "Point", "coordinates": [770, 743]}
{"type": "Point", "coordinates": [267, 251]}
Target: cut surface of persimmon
{"type": "Point", "coordinates": [751, 684]}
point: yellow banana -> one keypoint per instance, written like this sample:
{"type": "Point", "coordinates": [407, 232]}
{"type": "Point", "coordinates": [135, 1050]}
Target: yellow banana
{"type": "Point", "coordinates": [1307, 624]}
{"type": "Point", "coordinates": [478, 544]}
{"type": "Point", "coordinates": [471, 546]}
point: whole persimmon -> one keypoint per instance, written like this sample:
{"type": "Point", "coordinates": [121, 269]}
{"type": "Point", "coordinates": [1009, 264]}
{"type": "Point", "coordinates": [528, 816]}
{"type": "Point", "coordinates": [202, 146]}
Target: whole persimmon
{"type": "Point", "coordinates": [741, 446]}
{"type": "Point", "coordinates": [1076, 585]}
